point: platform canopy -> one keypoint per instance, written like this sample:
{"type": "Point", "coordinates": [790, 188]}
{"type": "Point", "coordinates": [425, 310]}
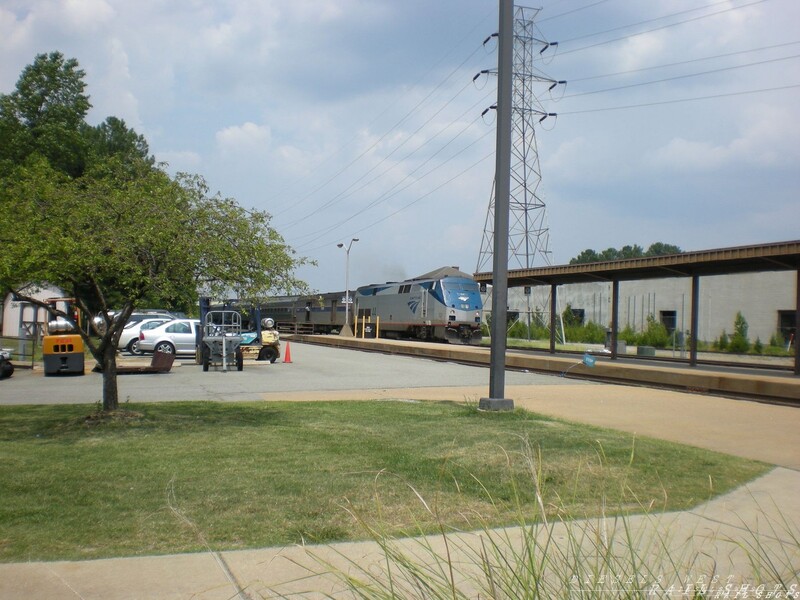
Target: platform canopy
{"type": "Point", "coordinates": [778, 256]}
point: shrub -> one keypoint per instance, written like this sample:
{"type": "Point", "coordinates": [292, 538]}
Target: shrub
{"type": "Point", "coordinates": [739, 342]}
{"type": "Point", "coordinates": [655, 335]}
{"type": "Point", "coordinates": [722, 343]}
{"type": "Point", "coordinates": [629, 336]}
{"type": "Point", "coordinates": [518, 330]}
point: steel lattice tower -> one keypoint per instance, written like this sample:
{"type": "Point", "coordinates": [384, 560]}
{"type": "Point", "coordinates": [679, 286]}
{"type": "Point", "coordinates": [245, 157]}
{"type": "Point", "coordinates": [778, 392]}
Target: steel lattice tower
{"type": "Point", "coordinates": [529, 236]}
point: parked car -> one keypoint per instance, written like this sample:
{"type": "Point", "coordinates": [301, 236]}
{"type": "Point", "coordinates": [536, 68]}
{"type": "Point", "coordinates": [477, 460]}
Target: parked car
{"type": "Point", "coordinates": [139, 315]}
{"type": "Point", "coordinates": [6, 368]}
{"type": "Point", "coordinates": [178, 336]}
{"type": "Point", "coordinates": [129, 339]}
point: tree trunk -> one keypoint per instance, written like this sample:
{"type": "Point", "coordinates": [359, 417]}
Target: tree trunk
{"type": "Point", "coordinates": [109, 366]}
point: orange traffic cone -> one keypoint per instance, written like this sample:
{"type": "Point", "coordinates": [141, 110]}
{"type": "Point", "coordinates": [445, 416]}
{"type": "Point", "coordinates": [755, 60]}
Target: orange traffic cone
{"type": "Point", "coordinates": [287, 356]}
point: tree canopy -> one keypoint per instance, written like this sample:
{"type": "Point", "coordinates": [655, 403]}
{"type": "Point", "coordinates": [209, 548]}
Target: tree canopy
{"type": "Point", "coordinates": [86, 209]}
{"type": "Point", "coordinates": [635, 251]}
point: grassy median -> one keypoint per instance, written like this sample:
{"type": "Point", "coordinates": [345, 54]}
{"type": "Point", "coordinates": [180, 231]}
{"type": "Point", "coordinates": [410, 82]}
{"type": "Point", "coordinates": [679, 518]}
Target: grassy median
{"type": "Point", "coordinates": [188, 476]}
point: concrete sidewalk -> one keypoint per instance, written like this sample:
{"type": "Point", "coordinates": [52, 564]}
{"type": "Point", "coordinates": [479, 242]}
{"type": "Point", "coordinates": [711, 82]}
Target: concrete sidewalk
{"type": "Point", "coordinates": [711, 535]}
{"type": "Point", "coordinates": [766, 508]}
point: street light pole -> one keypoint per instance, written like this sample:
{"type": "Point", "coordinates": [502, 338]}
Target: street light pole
{"type": "Point", "coordinates": [347, 281]}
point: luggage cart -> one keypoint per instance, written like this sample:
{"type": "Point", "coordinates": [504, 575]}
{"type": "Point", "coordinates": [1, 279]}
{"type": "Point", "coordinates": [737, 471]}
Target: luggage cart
{"type": "Point", "coordinates": [222, 339]}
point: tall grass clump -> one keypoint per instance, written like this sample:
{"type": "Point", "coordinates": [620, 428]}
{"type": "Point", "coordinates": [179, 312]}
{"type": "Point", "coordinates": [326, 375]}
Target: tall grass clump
{"type": "Point", "coordinates": [635, 554]}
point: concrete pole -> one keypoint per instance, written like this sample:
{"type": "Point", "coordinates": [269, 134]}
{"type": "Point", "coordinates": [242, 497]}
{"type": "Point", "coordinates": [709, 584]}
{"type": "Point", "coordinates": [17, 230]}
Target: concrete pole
{"type": "Point", "coordinates": [797, 326]}
{"type": "Point", "coordinates": [694, 320]}
{"type": "Point", "coordinates": [502, 178]}
{"type": "Point", "coordinates": [614, 318]}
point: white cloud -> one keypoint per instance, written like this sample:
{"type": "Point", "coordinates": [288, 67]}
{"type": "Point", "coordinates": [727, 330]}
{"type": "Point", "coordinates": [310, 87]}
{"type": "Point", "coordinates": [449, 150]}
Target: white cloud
{"type": "Point", "coordinates": [768, 141]}
{"type": "Point", "coordinates": [84, 15]}
{"type": "Point", "coordinates": [244, 140]}
{"type": "Point", "coordinates": [274, 102]}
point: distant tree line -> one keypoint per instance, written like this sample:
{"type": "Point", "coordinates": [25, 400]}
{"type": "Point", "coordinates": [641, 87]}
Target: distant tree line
{"type": "Point", "coordinates": [635, 251]}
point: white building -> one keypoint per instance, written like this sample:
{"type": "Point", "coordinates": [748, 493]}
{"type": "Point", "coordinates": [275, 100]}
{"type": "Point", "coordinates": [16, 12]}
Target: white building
{"type": "Point", "coordinates": [24, 319]}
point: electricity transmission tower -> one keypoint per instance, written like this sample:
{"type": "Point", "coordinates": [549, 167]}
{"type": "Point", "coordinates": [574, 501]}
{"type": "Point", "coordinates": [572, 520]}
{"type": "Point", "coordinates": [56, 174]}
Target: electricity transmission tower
{"type": "Point", "coordinates": [528, 235]}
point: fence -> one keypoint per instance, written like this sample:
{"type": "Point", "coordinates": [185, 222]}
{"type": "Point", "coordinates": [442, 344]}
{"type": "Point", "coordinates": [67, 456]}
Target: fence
{"type": "Point", "coordinates": [22, 350]}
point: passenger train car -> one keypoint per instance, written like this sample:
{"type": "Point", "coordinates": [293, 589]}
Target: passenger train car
{"type": "Point", "coordinates": [442, 305]}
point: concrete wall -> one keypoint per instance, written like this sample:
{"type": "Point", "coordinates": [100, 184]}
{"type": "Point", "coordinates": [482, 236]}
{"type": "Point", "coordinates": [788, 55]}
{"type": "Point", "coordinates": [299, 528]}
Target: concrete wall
{"type": "Point", "coordinates": [758, 296]}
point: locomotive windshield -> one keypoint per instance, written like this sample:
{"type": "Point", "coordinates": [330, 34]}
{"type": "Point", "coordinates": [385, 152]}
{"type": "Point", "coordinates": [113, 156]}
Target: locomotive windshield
{"type": "Point", "coordinates": [463, 294]}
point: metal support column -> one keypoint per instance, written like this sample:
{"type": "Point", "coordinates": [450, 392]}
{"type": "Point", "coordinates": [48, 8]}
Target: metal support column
{"type": "Point", "coordinates": [695, 320]}
{"type": "Point", "coordinates": [797, 326]}
{"type": "Point", "coordinates": [553, 317]}
{"type": "Point", "coordinates": [614, 318]}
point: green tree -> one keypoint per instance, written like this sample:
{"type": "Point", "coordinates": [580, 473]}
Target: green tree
{"type": "Point", "coordinates": [635, 251]}
{"type": "Point", "coordinates": [587, 256]}
{"type": "Point", "coordinates": [113, 138]}
{"type": "Point", "coordinates": [662, 249]}
{"type": "Point", "coordinates": [44, 115]}
{"type": "Point", "coordinates": [85, 209]}
{"type": "Point", "coordinates": [114, 241]}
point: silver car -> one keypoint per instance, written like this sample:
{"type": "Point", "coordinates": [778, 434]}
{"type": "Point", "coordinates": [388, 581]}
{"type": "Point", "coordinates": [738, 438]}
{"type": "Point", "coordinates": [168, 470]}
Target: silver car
{"type": "Point", "coordinates": [178, 336]}
{"type": "Point", "coordinates": [129, 338]}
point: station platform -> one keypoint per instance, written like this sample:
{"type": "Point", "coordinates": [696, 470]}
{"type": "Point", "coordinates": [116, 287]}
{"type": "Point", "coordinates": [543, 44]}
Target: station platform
{"type": "Point", "coordinates": [783, 388]}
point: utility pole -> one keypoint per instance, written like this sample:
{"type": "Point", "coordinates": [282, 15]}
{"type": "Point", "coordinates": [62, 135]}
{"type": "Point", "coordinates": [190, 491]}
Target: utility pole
{"type": "Point", "coordinates": [502, 184]}
{"type": "Point", "coordinates": [516, 229]}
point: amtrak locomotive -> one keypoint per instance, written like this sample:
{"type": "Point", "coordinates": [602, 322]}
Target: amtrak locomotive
{"type": "Point", "coordinates": [442, 305]}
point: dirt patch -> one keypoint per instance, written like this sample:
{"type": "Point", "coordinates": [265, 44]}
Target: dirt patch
{"type": "Point", "coordinates": [117, 417]}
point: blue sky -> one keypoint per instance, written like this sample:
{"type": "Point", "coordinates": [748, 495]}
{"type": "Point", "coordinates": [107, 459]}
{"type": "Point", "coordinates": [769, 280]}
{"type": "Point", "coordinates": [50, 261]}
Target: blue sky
{"type": "Point", "coordinates": [360, 118]}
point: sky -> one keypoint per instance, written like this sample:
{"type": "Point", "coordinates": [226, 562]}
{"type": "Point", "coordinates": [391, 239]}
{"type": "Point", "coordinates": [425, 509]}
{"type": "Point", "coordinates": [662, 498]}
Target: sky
{"type": "Point", "coordinates": [679, 121]}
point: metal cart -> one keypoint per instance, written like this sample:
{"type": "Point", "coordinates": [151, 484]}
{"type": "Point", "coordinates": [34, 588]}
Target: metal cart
{"type": "Point", "coordinates": [222, 339]}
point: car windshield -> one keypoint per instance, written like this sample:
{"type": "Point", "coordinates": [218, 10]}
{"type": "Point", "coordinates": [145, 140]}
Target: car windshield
{"type": "Point", "coordinates": [152, 324]}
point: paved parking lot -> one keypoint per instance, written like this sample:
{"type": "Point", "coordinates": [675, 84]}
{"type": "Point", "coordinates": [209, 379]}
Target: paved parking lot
{"type": "Point", "coordinates": [749, 429]}
{"type": "Point", "coordinates": [313, 369]}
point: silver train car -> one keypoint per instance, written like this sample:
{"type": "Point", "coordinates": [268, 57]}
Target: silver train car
{"type": "Point", "coordinates": [316, 313]}
{"type": "Point", "coordinates": [442, 305]}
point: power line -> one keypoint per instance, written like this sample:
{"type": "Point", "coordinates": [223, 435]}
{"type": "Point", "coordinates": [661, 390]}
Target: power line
{"type": "Point", "coordinates": [683, 62]}
{"type": "Point", "coordinates": [349, 190]}
{"type": "Point", "coordinates": [679, 100]}
{"type": "Point", "coordinates": [574, 10]}
{"type": "Point", "coordinates": [410, 204]}
{"type": "Point", "coordinates": [393, 191]}
{"type": "Point", "coordinates": [625, 37]}
{"type": "Point", "coordinates": [330, 179]}
{"type": "Point", "coordinates": [686, 76]}
{"type": "Point", "coordinates": [388, 194]}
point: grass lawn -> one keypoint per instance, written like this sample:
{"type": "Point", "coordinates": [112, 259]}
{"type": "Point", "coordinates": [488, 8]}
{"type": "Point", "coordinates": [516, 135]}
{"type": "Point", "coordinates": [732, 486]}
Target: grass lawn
{"type": "Point", "coordinates": [184, 476]}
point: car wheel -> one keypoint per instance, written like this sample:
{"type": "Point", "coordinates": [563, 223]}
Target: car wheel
{"type": "Point", "coordinates": [133, 347]}
{"type": "Point", "coordinates": [6, 369]}
{"type": "Point", "coordinates": [165, 347]}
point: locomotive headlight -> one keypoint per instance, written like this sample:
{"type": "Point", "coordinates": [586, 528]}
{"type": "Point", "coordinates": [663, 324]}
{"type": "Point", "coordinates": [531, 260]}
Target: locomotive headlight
{"type": "Point", "coordinates": [477, 317]}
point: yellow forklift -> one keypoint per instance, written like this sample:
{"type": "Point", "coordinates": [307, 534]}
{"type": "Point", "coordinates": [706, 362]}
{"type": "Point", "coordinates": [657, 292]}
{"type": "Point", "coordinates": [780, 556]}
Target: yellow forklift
{"type": "Point", "coordinates": [62, 345]}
